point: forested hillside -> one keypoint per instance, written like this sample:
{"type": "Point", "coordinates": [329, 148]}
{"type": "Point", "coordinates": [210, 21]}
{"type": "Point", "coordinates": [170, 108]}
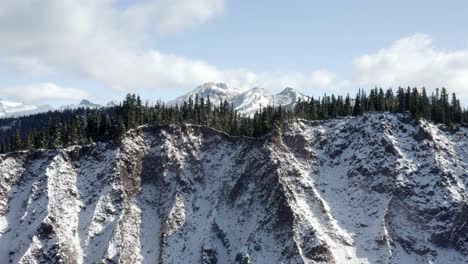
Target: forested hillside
{"type": "Point", "coordinates": [82, 126]}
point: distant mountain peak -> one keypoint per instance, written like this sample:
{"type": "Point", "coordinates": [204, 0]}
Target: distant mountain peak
{"type": "Point", "coordinates": [16, 109]}
{"type": "Point", "coordinates": [259, 89]}
{"type": "Point", "coordinates": [288, 90]}
{"type": "Point", "coordinates": [87, 103]}
{"type": "Point", "coordinates": [216, 91]}
{"type": "Point", "coordinates": [214, 85]}
{"type": "Point", "coordinates": [112, 103]}
{"type": "Point", "coordinates": [247, 102]}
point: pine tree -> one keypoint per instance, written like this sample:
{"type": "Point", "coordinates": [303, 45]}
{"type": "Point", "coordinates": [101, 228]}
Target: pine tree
{"type": "Point", "coordinates": [390, 102]}
{"type": "Point", "coordinates": [17, 143]}
{"type": "Point", "coordinates": [42, 141]}
{"type": "Point", "coordinates": [357, 105]}
{"type": "Point", "coordinates": [380, 105]}
{"type": "Point", "coordinates": [72, 135]}
{"type": "Point", "coordinates": [29, 143]}
{"type": "Point", "coordinates": [445, 106]}
{"type": "Point", "coordinates": [55, 140]}
{"type": "Point", "coordinates": [105, 125]}
{"type": "Point", "coordinates": [455, 110]}
{"type": "Point", "coordinates": [414, 103]}
{"type": "Point", "coordinates": [402, 102]}
{"type": "Point", "coordinates": [118, 130]}
{"type": "Point", "coordinates": [424, 106]}
{"type": "Point", "coordinates": [347, 106]}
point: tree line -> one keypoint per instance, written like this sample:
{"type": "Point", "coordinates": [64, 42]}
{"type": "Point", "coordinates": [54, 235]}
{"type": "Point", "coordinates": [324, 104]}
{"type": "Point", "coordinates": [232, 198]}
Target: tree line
{"type": "Point", "coordinates": [58, 129]}
{"type": "Point", "coordinates": [439, 107]}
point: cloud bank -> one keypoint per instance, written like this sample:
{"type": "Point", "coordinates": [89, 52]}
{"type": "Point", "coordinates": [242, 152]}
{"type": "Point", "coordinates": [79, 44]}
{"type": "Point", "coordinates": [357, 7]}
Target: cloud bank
{"type": "Point", "coordinates": [104, 42]}
{"type": "Point", "coordinates": [108, 41]}
{"type": "Point", "coordinates": [414, 61]}
{"type": "Point", "coordinates": [43, 91]}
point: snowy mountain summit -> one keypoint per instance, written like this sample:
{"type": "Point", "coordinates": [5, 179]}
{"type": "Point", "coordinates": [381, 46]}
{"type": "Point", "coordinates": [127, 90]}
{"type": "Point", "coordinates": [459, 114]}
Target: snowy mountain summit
{"type": "Point", "coordinates": [378, 188]}
{"type": "Point", "coordinates": [217, 92]}
{"type": "Point", "coordinates": [247, 102]}
{"type": "Point", "coordinates": [86, 103]}
{"type": "Point", "coordinates": [289, 96]}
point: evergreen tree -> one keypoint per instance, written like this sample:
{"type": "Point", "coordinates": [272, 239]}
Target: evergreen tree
{"type": "Point", "coordinates": [357, 105]}
{"type": "Point", "coordinates": [17, 143]}
{"type": "Point", "coordinates": [84, 126]}
{"type": "Point", "coordinates": [55, 140]}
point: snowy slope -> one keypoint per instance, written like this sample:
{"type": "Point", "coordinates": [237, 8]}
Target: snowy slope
{"type": "Point", "coordinates": [16, 109]}
{"type": "Point", "coordinates": [288, 96]}
{"type": "Point", "coordinates": [252, 100]}
{"type": "Point", "coordinates": [379, 188]}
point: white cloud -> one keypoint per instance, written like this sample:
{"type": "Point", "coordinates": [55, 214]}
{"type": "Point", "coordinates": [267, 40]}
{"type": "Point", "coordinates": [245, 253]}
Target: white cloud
{"type": "Point", "coordinates": [414, 61]}
{"type": "Point", "coordinates": [43, 91]}
{"type": "Point", "coordinates": [100, 41]}
{"type": "Point", "coordinates": [175, 15]}
{"type": "Point", "coordinates": [108, 43]}
{"type": "Point", "coordinates": [276, 80]}
{"type": "Point", "coordinates": [30, 66]}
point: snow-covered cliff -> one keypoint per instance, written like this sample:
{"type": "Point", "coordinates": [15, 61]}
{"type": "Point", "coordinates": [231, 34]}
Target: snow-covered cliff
{"type": "Point", "coordinates": [379, 188]}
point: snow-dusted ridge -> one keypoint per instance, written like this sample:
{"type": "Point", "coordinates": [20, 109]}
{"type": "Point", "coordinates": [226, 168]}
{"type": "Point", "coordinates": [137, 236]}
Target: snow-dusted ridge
{"type": "Point", "coordinates": [380, 188]}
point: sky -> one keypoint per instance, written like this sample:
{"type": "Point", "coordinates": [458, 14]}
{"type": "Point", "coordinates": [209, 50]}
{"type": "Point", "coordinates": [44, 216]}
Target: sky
{"type": "Point", "coordinates": [61, 51]}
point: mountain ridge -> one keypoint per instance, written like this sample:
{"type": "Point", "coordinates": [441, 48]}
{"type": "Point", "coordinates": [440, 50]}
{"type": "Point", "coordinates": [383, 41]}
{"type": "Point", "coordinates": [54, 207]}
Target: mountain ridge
{"type": "Point", "coordinates": [245, 102]}
{"type": "Point", "coordinates": [17, 109]}
{"type": "Point", "coordinates": [305, 193]}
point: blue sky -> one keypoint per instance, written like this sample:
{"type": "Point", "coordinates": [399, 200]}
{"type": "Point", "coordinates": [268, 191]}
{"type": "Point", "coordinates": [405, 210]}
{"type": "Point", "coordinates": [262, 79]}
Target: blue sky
{"type": "Point", "coordinates": [57, 52]}
{"type": "Point", "coordinates": [306, 35]}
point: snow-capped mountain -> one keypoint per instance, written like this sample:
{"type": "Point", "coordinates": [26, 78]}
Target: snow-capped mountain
{"type": "Point", "coordinates": [112, 104]}
{"type": "Point", "coordinates": [288, 96]}
{"type": "Point", "coordinates": [83, 104]}
{"type": "Point", "coordinates": [247, 102]}
{"type": "Point", "coordinates": [379, 188]}
{"type": "Point", "coordinates": [217, 92]}
{"type": "Point", "coordinates": [88, 104]}
{"type": "Point", "coordinates": [16, 109]}
{"type": "Point", "coordinates": [251, 101]}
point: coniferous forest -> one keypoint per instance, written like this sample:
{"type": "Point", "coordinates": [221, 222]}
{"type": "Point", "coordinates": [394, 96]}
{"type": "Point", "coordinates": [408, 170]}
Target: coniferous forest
{"type": "Point", "coordinates": [65, 128]}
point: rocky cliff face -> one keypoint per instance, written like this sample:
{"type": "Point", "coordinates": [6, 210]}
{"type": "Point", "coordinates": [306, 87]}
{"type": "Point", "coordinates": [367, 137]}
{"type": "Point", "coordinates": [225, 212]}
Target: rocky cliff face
{"type": "Point", "coordinates": [379, 188]}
